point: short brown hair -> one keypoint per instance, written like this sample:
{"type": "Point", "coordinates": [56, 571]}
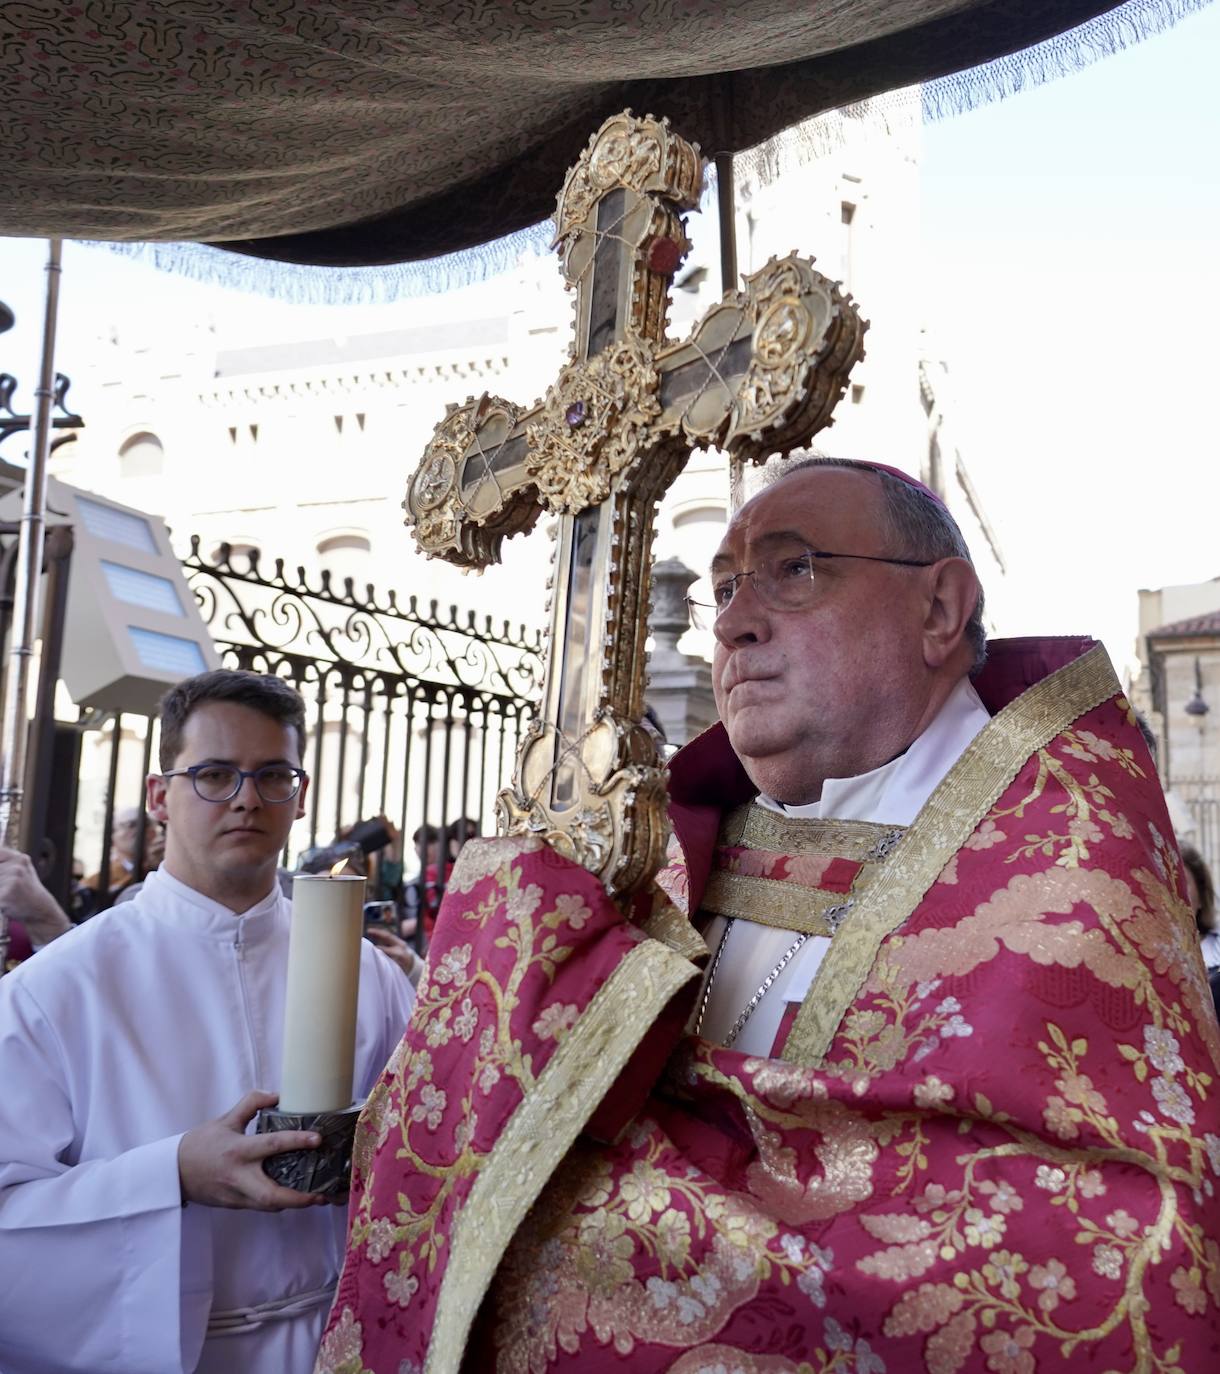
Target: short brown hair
{"type": "Point", "coordinates": [1205, 912]}
{"type": "Point", "coordinates": [271, 696]}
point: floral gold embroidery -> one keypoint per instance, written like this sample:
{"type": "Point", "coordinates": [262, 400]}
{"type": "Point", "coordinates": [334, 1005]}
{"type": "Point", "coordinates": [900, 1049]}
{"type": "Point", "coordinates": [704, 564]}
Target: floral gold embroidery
{"type": "Point", "coordinates": [1019, 1298]}
{"type": "Point", "coordinates": [1040, 1197]}
{"type": "Point", "coordinates": [340, 1352]}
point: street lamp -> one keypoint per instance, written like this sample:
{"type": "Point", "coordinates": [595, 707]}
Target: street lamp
{"type": "Point", "coordinates": [1196, 706]}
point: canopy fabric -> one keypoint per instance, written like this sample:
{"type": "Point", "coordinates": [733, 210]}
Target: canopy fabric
{"type": "Point", "coordinates": [379, 131]}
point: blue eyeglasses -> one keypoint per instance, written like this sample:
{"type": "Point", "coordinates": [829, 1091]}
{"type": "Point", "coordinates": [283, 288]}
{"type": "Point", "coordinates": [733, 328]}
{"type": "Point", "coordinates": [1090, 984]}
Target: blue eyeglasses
{"type": "Point", "coordinates": [221, 782]}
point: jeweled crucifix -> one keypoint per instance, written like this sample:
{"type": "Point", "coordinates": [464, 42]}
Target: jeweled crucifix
{"type": "Point", "coordinates": [759, 375]}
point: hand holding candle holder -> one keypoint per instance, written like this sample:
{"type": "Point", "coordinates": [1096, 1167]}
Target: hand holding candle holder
{"type": "Point", "coordinates": [326, 1170]}
{"type": "Point", "coordinates": [320, 1034]}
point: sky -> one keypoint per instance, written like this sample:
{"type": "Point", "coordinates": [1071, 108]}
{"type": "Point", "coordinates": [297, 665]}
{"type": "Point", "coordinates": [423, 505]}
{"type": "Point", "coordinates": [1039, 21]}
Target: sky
{"type": "Point", "coordinates": [1070, 239]}
{"type": "Point", "coordinates": [1069, 235]}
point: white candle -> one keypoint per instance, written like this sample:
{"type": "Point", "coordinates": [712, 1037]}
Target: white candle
{"type": "Point", "coordinates": [323, 985]}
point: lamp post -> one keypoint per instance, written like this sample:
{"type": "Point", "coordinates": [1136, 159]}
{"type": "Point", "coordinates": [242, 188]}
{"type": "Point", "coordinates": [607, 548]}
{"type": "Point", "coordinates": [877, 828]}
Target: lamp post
{"type": "Point", "coordinates": [1196, 706]}
{"type": "Point", "coordinates": [14, 727]}
{"type": "Point", "coordinates": [1197, 709]}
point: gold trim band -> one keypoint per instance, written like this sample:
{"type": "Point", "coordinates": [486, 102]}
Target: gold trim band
{"type": "Point", "coordinates": [668, 925]}
{"type": "Point", "coordinates": [758, 827]}
{"type": "Point", "coordinates": [768, 902]}
{"type": "Point", "coordinates": [541, 1131]}
{"type": "Point", "coordinates": [886, 896]}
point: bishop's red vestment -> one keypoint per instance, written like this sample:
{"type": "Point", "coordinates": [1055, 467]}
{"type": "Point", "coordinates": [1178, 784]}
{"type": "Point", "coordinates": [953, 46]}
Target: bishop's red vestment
{"type": "Point", "coordinates": [986, 1142]}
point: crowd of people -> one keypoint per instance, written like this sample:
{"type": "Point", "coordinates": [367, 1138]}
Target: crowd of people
{"type": "Point", "coordinates": [853, 679]}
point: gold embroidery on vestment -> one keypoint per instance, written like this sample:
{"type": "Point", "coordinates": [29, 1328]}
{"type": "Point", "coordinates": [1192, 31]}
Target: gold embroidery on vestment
{"type": "Point", "coordinates": [758, 827]}
{"type": "Point", "coordinates": [668, 925]}
{"type": "Point", "coordinates": [889, 893]}
{"type": "Point", "coordinates": [782, 903]}
{"type": "Point", "coordinates": [541, 1131]}
{"type": "Point", "coordinates": [769, 902]}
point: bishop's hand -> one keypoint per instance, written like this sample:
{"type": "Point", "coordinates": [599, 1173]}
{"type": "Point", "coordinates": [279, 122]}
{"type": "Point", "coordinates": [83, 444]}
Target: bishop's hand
{"type": "Point", "coordinates": [220, 1166]}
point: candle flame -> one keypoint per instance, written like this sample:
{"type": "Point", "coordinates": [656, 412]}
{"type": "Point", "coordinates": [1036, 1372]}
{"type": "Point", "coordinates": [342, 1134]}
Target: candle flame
{"type": "Point", "coordinates": [338, 868]}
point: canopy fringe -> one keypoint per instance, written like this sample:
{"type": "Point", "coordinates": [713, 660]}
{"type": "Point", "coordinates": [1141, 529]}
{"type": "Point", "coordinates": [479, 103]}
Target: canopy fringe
{"type": "Point", "coordinates": [961, 92]}
{"type": "Point", "coordinates": [303, 285]}
{"type": "Point", "coordinates": [1073, 51]}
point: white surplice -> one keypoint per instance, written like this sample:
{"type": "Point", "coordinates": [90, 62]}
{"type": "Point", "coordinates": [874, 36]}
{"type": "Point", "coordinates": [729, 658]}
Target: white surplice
{"type": "Point", "coordinates": [114, 1041]}
{"type": "Point", "coordinates": [890, 795]}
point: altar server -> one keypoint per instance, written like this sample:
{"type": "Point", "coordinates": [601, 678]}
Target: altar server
{"type": "Point", "coordinates": [138, 1232]}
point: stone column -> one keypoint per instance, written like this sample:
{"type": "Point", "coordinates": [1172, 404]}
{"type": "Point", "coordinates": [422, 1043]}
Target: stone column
{"type": "Point", "coordinates": [679, 685]}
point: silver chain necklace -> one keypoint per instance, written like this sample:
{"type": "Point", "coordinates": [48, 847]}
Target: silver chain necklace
{"type": "Point", "coordinates": [834, 918]}
{"type": "Point", "coordinates": [752, 1005]}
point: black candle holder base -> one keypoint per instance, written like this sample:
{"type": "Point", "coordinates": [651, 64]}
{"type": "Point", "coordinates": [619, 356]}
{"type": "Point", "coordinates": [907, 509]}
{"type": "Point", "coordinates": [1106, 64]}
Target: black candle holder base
{"type": "Point", "coordinates": [327, 1170]}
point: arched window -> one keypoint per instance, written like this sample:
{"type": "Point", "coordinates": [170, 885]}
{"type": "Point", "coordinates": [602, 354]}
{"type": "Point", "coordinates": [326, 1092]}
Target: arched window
{"type": "Point", "coordinates": [334, 542]}
{"type": "Point", "coordinates": [698, 529]}
{"type": "Point", "coordinates": [706, 515]}
{"type": "Point", "coordinates": [346, 553]}
{"type": "Point", "coordinates": [239, 552]}
{"type": "Point", "coordinates": [141, 455]}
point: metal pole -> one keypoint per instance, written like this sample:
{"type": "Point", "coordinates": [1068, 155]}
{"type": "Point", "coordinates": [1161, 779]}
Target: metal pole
{"type": "Point", "coordinates": [35, 810]}
{"type": "Point", "coordinates": [14, 730]}
{"type": "Point", "coordinates": [726, 205]}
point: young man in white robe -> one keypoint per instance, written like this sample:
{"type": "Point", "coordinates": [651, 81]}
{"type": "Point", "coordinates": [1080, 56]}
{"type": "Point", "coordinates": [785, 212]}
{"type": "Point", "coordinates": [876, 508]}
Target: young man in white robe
{"type": "Point", "coordinates": [138, 1231]}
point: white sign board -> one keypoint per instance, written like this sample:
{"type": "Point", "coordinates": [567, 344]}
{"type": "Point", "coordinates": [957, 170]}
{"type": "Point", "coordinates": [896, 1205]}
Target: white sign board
{"type": "Point", "coordinates": [133, 628]}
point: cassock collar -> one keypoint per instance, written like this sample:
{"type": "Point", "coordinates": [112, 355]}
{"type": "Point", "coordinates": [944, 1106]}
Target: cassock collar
{"type": "Point", "coordinates": [173, 903]}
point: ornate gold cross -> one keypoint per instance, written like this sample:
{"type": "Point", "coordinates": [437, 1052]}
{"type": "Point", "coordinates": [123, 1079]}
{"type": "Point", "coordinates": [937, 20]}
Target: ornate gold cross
{"type": "Point", "coordinates": [759, 375]}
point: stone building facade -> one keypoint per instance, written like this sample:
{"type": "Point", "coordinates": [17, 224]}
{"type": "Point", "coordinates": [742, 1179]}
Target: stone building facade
{"type": "Point", "coordinates": [1178, 689]}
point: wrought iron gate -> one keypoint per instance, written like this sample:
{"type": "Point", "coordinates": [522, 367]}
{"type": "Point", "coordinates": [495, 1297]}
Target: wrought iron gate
{"type": "Point", "coordinates": [1202, 799]}
{"type": "Point", "coordinates": [414, 713]}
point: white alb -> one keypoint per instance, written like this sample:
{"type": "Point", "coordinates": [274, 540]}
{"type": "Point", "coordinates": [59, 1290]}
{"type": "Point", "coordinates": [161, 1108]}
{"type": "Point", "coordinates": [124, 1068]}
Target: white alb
{"type": "Point", "coordinates": [114, 1041]}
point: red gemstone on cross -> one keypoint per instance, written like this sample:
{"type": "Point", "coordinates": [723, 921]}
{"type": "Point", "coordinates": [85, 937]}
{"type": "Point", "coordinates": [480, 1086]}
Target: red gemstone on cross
{"type": "Point", "coordinates": [664, 256]}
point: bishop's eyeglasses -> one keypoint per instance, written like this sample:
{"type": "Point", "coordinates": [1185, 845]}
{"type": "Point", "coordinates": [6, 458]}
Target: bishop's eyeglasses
{"type": "Point", "coordinates": [787, 582]}
{"type": "Point", "coordinates": [221, 782]}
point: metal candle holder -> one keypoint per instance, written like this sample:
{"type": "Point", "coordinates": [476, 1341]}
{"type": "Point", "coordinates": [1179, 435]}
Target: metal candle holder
{"type": "Point", "coordinates": [326, 1170]}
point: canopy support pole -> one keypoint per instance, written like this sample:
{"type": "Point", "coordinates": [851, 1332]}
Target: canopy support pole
{"type": "Point", "coordinates": [726, 206]}
{"type": "Point", "coordinates": [726, 203]}
{"type": "Point", "coordinates": [14, 732]}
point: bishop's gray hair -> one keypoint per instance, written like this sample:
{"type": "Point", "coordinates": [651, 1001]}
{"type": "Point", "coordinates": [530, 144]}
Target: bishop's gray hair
{"type": "Point", "coordinates": [922, 527]}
